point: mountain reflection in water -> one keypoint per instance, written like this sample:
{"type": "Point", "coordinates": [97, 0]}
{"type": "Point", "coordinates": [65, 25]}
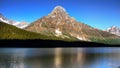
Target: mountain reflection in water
{"type": "Point", "coordinates": [59, 57]}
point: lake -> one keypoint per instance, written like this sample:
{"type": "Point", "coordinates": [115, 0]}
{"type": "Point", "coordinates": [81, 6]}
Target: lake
{"type": "Point", "coordinates": [102, 57]}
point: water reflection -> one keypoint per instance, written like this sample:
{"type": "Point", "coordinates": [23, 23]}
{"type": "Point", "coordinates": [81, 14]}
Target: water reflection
{"type": "Point", "coordinates": [59, 57]}
{"type": "Point", "coordinates": [11, 61]}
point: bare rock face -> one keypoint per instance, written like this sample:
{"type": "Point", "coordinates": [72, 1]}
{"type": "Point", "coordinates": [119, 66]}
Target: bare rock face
{"type": "Point", "coordinates": [60, 24]}
{"type": "Point", "coordinates": [114, 30]}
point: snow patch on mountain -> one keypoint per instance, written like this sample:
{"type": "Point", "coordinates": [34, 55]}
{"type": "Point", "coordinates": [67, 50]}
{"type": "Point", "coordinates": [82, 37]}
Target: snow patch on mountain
{"type": "Point", "coordinates": [114, 30]}
{"type": "Point", "coordinates": [58, 32]}
{"type": "Point", "coordinates": [80, 38]}
{"type": "Point", "coordinates": [23, 26]}
{"type": "Point", "coordinates": [11, 22]}
{"type": "Point", "coordinates": [16, 23]}
{"type": "Point", "coordinates": [2, 20]}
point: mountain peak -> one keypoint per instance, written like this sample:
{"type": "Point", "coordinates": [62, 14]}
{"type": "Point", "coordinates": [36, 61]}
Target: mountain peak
{"type": "Point", "coordinates": [114, 27]}
{"type": "Point", "coordinates": [114, 30]}
{"type": "Point", "coordinates": [59, 12]}
{"type": "Point", "coordinates": [58, 23]}
{"type": "Point", "coordinates": [60, 8]}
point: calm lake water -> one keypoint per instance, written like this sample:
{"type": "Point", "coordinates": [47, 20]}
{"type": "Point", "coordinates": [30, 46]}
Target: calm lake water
{"type": "Point", "coordinates": [60, 57]}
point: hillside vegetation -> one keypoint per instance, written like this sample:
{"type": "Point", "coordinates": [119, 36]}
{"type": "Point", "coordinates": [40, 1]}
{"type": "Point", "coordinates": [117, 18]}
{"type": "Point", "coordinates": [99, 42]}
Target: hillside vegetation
{"type": "Point", "coordinates": [11, 32]}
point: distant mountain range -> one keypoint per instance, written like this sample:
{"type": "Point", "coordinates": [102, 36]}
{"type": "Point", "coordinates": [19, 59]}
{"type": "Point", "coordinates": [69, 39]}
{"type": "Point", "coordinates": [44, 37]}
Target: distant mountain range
{"type": "Point", "coordinates": [58, 25]}
{"type": "Point", "coordinates": [11, 22]}
{"type": "Point", "coordinates": [114, 30]}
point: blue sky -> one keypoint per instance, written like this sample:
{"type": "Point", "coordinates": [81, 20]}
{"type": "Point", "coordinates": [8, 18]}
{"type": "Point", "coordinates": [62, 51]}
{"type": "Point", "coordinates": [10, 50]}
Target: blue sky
{"type": "Point", "coordinates": [96, 13]}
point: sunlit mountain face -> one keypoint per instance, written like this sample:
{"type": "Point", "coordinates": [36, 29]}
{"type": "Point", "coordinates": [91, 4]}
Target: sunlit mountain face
{"type": "Point", "coordinates": [60, 24]}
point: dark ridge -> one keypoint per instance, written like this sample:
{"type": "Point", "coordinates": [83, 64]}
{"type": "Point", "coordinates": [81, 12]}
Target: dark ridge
{"type": "Point", "coordinates": [49, 44]}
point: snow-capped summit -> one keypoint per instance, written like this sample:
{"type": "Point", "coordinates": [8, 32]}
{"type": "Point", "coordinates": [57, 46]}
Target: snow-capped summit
{"type": "Point", "coordinates": [11, 22]}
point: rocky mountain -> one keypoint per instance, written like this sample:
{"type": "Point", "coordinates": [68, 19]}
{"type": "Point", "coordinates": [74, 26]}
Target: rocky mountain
{"type": "Point", "coordinates": [114, 30]}
{"type": "Point", "coordinates": [11, 22]}
{"type": "Point", "coordinates": [60, 24]}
